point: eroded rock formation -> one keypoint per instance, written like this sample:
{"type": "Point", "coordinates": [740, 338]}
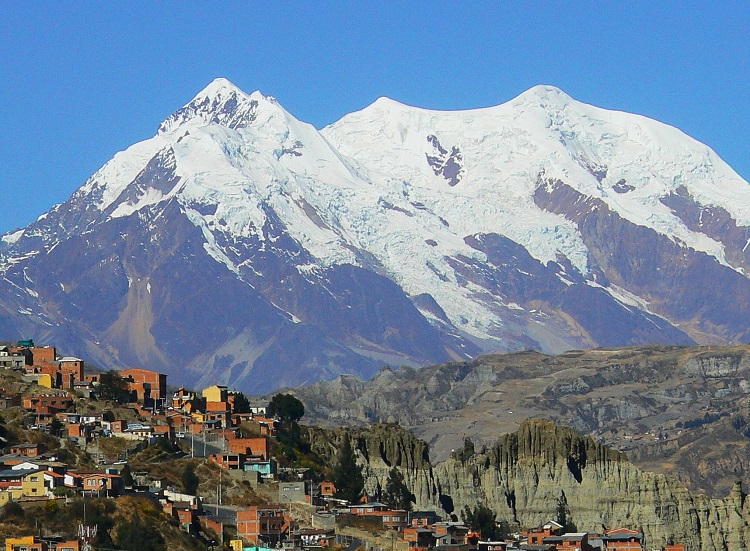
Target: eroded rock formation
{"type": "Point", "coordinates": [524, 475]}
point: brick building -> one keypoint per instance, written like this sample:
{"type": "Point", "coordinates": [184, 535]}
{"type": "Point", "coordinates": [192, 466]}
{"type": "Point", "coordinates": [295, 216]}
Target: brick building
{"type": "Point", "coordinates": [27, 450]}
{"type": "Point", "coordinates": [261, 525]}
{"type": "Point", "coordinates": [327, 488]}
{"type": "Point", "coordinates": [534, 536]}
{"type": "Point", "coordinates": [149, 387]}
{"type": "Point", "coordinates": [623, 539]}
{"type": "Point", "coordinates": [41, 354]}
{"type": "Point", "coordinates": [221, 412]}
{"type": "Point", "coordinates": [570, 541]}
{"type": "Point", "coordinates": [45, 406]}
{"type": "Point", "coordinates": [256, 447]}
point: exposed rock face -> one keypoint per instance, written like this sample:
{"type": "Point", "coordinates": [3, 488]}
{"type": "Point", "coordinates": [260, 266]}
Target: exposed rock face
{"type": "Point", "coordinates": [714, 221]}
{"type": "Point", "coordinates": [525, 473]}
{"type": "Point", "coordinates": [679, 411]}
{"type": "Point", "coordinates": [381, 447]}
{"type": "Point", "coordinates": [668, 276]}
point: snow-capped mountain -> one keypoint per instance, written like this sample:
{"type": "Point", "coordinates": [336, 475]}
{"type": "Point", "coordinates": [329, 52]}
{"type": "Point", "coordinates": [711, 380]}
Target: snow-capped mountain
{"type": "Point", "coordinates": [240, 245]}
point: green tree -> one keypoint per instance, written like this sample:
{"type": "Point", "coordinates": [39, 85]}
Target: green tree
{"type": "Point", "coordinates": [563, 514]}
{"type": "Point", "coordinates": [481, 519]}
{"type": "Point", "coordinates": [56, 427]}
{"type": "Point", "coordinates": [347, 476]}
{"type": "Point", "coordinates": [190, 480]}
{"type": "Point", "coordinates": [241, 403]}
{"type": "Point", "coordinates": [113, 387]}
{"type": "Point", "coordinates": [286, 407]}
{"type": "Point", "coordinates": [11, 510]}
{"type": "Point", "coordinates": [127, 476]}
{"type": "Point", "coordinates": [137, 535]}
{"type": "Point", "coordinates": [397, 494]}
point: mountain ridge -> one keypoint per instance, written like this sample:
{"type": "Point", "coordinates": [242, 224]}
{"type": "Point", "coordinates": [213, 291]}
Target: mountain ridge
{"type": "Point", "coordinates": [394, 235]}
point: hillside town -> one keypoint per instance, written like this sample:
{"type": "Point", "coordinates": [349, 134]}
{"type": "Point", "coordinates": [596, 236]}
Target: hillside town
{"type": "Point", "coordinates": [90, 435]}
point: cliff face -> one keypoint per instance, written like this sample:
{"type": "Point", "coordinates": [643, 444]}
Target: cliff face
{"type": "Point", "coordinates": [525, 473]}
{"type": "Point", "coordinates": [380, 448]}
{"type": "Point", "coordinates": [680, 411]}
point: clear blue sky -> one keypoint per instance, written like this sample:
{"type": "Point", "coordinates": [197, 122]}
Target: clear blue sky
{"type": "Point", "coordinates": [80, 82]}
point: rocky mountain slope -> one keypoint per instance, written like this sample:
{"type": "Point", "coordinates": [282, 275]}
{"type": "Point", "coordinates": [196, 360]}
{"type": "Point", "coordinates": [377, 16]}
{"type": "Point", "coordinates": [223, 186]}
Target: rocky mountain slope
{"type": "Point", "coordinates": [240, 245]}
{"type": "Point", "coordinates": [523, 474]}
{"type": "Point", "coordinates": [681, 411]}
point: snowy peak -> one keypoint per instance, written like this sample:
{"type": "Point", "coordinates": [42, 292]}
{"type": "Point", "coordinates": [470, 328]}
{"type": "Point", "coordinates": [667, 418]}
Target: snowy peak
{"type": "Point", "coordinates": [221, 102]}
{"type": "Point", "coordinates": [544, 95]}
{"type": "Point", "coordinates": [219, 87]}
{"type": "Point", "coordinates": [542, 223]}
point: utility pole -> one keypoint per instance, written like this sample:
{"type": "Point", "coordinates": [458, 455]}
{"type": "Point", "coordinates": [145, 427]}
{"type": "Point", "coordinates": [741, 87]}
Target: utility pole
{"type": "Point", "coordinates": [86, 532]}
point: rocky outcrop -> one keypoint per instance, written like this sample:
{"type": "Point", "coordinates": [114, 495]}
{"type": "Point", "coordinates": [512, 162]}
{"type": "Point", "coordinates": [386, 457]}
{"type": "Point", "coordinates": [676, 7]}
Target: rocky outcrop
{"type": "Point", "coordinates": [681, 411]}
{"type": "Point", "coordinates": [380, 448]}
{"type": "Point", "coordinates": [525, 474]}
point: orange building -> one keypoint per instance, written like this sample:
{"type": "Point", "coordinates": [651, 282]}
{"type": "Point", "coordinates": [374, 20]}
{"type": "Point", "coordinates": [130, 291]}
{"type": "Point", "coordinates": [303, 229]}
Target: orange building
{"type": "Point", "coordinates": [327, 489]}
{"type": "Point", "coordinates": [72, 366]}
{"type": "Point", "coordinates": [46, 406]}
{"type": "Point", "coordinates": [64, 372]}
{"type": "Point", "coordinates": [185, 400]}
{"type": "Point", "coordinates": [27, 450]}
{"type": "Point", "coordinates": [419, 539]}
{"type": "Point", "coordinates": [41, 354]}
{"type": "Point", "coordinates": [262, 524]}
{"type": "Point", "coordinates": [266, 426]}
{"type": "Point", "coordinates": [623, 539]}
{"type": "Point", "coordinates": [570, 541]}
{"type": "Point", "coordinates": [250, 446]}
{"type": "Point", "coordinates": [109, 484]}
{"type": "Point", "coordinates": [148, 386]}
{"type": "Point", "coordinates": [534, 536]}
{"type": "Point", "coordinates": [231, 461]}
{"type": "Point", "coordinates": [219, 411]}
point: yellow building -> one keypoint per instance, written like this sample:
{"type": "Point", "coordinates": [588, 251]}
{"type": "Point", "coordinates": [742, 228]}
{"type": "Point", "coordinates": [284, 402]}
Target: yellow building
{"type": "Point", "coordinates": [21, 483]}
{"type": "Point", "coordinates": [45, 381]}
{"type": "Point", "coordinates": [33, 484]}
{"type": "Point", "coordinates": [31, 543]}
{"type": "Point", "coordinates": [26, 542]}
{"type": "Point", "coordinates": [215, 393]}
